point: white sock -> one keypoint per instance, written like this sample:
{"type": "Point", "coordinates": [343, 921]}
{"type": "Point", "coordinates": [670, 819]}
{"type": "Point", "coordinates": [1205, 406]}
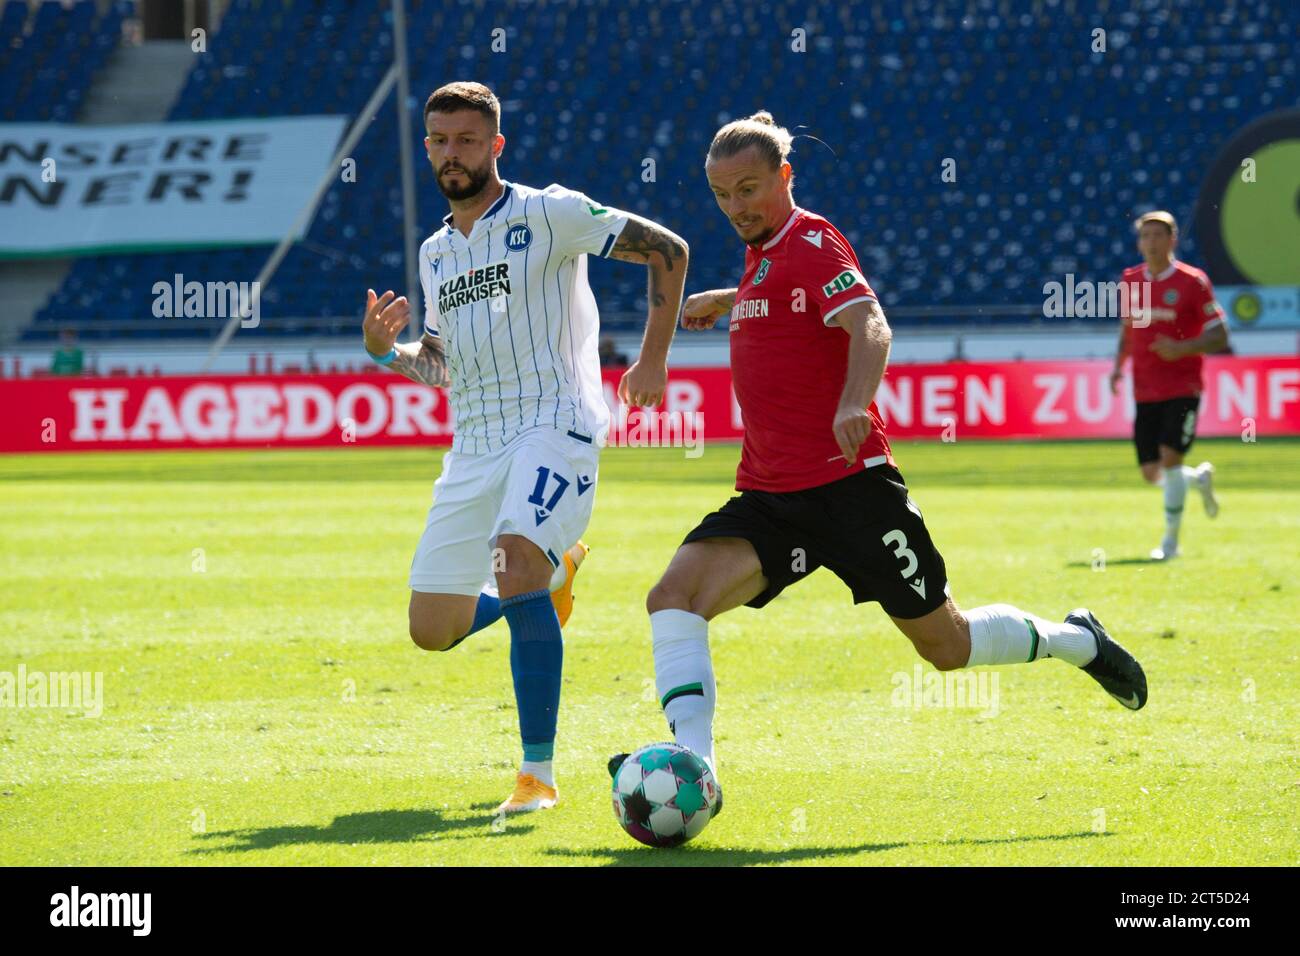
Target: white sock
{"type": "Point", "coordinates": [1175, 495]}
{"type": "Point", "coordinates": [541, 769]}
{"type": "Point", "coordinates": [684, 677]}
{"type": "Point", "coordinates": [1002, 634]}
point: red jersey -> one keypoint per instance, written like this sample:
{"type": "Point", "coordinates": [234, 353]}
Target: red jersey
{"type": "Point", "coordinates": [1178, 303]}
{"type": "Point", "coordinates": [789, 359]}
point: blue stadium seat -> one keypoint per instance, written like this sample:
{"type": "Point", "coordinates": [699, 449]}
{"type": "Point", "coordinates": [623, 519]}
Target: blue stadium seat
{"type": "Point", "coordinates": [48, 57]}
{"type": "Point", "coordinates": [1056, 147]}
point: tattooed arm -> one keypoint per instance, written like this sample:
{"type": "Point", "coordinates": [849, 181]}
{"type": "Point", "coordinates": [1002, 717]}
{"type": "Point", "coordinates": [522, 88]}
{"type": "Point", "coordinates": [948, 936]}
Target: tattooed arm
{"type": "Point", "coordinates": [666, 254]}
{"type": "Point", "coordinates": [423, 361]}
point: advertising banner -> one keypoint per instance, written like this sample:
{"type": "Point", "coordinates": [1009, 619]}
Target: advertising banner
{"type": "Point", "coordinates": [953, 401]}
{"type": "Point", "coordinates": [67, 190]}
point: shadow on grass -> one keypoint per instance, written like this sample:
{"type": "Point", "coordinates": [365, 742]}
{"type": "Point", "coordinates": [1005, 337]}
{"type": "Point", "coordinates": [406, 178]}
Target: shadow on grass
{"type": "Point", "coordinates": [375, 826]}
{"type": "Point", "coordinates": [714, 856]}
{"type": "Point", "coordinates": [695, 855]}
{"type": "Point", "coordinates": [965, 841]}
{"type": "Point", "coordinates": [1116, 562]}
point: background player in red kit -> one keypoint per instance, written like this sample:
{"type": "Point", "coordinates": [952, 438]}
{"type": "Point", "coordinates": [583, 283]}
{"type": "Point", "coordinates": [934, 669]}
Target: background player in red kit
{"type": "Point", "coordinates": [1170, 320]}
{"type": "Point", "coordinates": [817, 482]}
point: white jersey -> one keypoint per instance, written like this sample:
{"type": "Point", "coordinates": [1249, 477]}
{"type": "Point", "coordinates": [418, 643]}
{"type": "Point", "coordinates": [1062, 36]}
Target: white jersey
{"type": "Point", "coordinates": [517, 319]}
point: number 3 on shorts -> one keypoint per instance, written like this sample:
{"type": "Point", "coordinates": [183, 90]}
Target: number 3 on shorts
{"type": "Point", "coordinates": [898, 541]}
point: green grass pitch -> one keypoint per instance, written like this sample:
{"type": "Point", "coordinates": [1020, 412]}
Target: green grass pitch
{"type": "Point", "coordinates": [262, 703]}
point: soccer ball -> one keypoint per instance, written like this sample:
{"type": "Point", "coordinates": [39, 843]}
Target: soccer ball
{"type": "Point", "coordinates": [664, 795]}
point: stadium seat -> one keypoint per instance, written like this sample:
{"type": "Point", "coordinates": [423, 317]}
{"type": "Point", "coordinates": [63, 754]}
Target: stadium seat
{"type": "Point", "coordinates": [1041, 132]}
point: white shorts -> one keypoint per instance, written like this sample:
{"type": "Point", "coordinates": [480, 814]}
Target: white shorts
{"type": "Point", "coordinates": [540, 486]}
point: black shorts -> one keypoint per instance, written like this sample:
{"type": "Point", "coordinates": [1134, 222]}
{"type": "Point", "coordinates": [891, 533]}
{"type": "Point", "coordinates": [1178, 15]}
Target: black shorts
{"type": "Point", "coordinates": [864, 528]}
{"type": "Point", "coordinates": [1171, 422]}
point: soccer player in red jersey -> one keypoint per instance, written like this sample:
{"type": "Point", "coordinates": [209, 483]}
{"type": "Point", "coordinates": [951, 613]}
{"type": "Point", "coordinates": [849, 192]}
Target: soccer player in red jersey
{"type": "Point", "coordinates": [1169, 321]}
{"type": "Point", "coordinates": [817, 480]}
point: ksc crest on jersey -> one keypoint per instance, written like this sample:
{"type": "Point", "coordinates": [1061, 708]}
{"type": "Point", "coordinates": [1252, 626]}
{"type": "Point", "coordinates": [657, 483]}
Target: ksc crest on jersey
{"type": "Point", "coordinates": [518, 236]}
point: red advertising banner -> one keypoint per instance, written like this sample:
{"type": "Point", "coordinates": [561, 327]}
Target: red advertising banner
{"type": "Point", "coordinates": [955, 399]}
{"type": "Point", "coordinates": [1073, 399]}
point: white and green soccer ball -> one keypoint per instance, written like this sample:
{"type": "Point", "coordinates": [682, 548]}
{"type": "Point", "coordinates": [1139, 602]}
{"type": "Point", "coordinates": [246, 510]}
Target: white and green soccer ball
{"type": "Point", "coordinates": [665, 794]}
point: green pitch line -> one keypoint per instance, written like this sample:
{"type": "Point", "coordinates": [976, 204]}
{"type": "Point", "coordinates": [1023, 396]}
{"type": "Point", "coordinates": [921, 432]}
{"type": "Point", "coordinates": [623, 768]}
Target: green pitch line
{"type": "Point", "coordinates": [262, 703]}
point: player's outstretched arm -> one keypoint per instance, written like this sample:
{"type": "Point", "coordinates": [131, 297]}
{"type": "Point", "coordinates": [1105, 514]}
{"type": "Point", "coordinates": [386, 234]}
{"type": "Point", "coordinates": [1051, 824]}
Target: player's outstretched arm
{"type": "Point", "coordinates": [666, 255]}
{"type": "Point", "coordinates": [423, 361]}
{"type": "Point", "coordinates": [869, 338]}
{"type": "Point", "coordinates": [703, 309]}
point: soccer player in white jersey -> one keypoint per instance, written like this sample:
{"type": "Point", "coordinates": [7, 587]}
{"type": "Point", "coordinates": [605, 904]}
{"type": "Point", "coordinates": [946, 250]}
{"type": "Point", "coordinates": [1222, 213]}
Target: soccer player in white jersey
{"type": "Point", "coordinates": [510, 328]}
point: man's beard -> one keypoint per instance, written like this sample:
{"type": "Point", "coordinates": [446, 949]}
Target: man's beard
{"type": "Point", "coordinates": [760, 239]}
{"type": "Point", "coordinates": [477, 179]}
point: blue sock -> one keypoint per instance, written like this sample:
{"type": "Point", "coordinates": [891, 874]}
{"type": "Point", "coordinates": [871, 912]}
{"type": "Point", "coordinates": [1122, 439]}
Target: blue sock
{"type": "Point", "coordinates": [536, 657]}
{"type": "Point", "coordinates": [486, 613]}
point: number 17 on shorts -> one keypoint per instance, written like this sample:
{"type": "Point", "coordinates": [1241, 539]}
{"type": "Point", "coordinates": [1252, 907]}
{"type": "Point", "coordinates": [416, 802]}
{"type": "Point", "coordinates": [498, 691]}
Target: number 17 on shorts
{"type": "Point", "coordinates": [550, 493]}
